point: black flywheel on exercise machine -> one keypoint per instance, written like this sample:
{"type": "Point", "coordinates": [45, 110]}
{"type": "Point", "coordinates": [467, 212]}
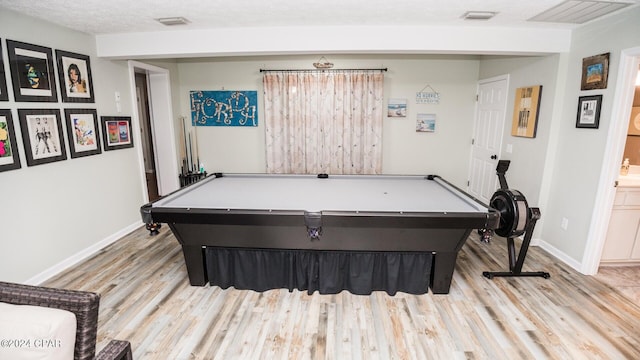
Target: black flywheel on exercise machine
{"type": "Point", "coordinates": [514, 212]}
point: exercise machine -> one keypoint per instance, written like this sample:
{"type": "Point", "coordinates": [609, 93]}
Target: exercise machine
{"type": "Point", "coordinates": [516, 218]}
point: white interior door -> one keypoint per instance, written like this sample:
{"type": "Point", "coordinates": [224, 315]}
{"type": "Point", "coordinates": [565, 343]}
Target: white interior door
{"type": "Point", "coordinates": [161, 113]}
{"type": "Point", "coordinates": [162, 130]}
{"type": "Point", "coordinates": [487, 137]}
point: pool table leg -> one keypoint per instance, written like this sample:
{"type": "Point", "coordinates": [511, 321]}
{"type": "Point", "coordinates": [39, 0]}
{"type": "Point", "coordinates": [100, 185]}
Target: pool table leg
{"type": "Point", "coordinates": [442, 274]}
{"type": "Point", "coordinates": [194, 258]}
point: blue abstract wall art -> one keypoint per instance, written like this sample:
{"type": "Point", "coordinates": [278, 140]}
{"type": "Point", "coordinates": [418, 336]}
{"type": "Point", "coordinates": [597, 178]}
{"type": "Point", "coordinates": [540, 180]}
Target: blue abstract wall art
{"type": "Point", "coordinates": [224, 108]}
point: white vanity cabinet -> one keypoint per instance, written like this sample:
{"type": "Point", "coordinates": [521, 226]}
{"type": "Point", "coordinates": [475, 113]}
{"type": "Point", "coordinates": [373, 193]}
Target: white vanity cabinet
{"type": "Point", "coordinates": [623, 236]}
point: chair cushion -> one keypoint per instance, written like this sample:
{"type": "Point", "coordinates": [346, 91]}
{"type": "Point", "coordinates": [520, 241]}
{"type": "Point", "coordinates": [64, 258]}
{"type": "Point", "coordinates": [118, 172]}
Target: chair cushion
{"type": "Point", "coordinates": [34, 332]}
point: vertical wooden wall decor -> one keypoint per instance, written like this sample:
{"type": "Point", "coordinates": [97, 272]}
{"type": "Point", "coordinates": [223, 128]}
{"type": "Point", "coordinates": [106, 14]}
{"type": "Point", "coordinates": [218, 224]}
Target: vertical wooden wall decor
{"type": "Point", "coordinates": [525, 111]}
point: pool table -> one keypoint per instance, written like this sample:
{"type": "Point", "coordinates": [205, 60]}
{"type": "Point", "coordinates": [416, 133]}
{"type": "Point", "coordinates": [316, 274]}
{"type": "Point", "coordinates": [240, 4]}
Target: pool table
{"type": "Point", "coordinates": [357, 225]}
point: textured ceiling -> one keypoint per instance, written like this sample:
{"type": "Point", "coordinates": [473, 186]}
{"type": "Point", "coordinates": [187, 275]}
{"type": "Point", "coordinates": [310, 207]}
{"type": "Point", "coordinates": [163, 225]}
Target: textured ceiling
{"type": "Point", "coordinates": [122, 16]}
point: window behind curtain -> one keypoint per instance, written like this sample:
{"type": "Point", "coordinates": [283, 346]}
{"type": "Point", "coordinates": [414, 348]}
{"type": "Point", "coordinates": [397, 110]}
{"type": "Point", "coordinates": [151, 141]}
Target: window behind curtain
{"type": "Point", "coordinates": [324, 122]}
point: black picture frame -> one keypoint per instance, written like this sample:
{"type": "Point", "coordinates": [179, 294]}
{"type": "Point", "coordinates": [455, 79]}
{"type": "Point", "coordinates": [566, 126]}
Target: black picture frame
{"type": "Point", "coordinates": [116, 132]}
{"type": "Point", "coordinates": [82, 132]}
{"type": "Point", "coordinates": [595, 72]}
{"type": "Point", "coordinates": [589, 111]}
{"type": "Point", "coordinates": [32, 72]}
{"type": "Point", "coordinates": [4, 92]}
{"type": "Point", "coordinates": [42, 135]}
{"type": "Point", "coordinates": [9, 154]}
{"type": "Point", "coordinates": [80, 91]}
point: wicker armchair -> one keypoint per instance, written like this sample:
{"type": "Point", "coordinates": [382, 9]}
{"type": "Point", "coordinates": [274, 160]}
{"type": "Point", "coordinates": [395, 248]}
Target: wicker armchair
{"type": "Point", "coordinates": [83, 304]}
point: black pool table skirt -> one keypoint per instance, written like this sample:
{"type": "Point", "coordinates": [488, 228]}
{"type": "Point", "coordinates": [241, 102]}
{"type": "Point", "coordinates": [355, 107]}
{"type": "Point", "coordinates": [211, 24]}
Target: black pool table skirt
{"type": "Point", "coordinates": [328, 272]}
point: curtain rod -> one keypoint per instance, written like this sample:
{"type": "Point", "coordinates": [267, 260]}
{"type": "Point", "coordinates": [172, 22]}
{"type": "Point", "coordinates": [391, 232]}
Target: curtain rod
{"type": "Point", "coordinates": [311, 70]}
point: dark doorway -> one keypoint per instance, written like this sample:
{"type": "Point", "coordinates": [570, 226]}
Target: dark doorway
{"type": "Point", "coordinates": [142, 96]}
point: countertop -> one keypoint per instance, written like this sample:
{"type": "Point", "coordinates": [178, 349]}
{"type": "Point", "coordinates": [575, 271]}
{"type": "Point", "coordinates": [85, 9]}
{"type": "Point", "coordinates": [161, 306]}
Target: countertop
{"type": "Point", "coordinates": [632, 179]}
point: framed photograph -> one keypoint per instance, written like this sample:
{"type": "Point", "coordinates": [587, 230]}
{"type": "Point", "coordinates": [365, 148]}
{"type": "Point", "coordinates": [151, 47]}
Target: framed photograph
{"type": "Point", "coordinates": [82, 132]}
{"type": "Point", "coordinates": [595, 71]}
{"type": "Point", "coordinates": [4, 95]}
{"type": "Point", "coordinates": [32, 72]}
{"type": "Point", "coordinates": [589, 111]}
{"type": "Point", "coordinates": [525, 111]}
{"type": "Point", "coordinates": [74, 73]}
{"type": "Point", "coordinates": [9, 158]}
{"type": "Point", "coordinates": [116, 132]}
{"type": "Point", "coordinates": [426, 123]}
{"type": "Point", "coordinates": [397, 108]}
{"type": "Point", "coordinates": [42, 135]}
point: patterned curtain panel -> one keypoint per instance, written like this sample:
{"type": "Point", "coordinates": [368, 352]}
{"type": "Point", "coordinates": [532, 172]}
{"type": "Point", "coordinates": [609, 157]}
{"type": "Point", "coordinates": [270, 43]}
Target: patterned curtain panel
{"type": "Point", "coordinates": [324, 122]}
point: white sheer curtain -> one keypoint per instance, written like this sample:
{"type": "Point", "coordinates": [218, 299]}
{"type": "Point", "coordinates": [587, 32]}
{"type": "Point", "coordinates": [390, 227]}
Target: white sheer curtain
{"type": "Point", "coordinates": [324, 121]}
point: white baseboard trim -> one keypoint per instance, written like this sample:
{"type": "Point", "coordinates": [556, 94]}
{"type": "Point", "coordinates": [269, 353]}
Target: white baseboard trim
{"type": "Point", "coordinates": [82, 255]}
{"type": "Point", "coordinates": [559, 254]}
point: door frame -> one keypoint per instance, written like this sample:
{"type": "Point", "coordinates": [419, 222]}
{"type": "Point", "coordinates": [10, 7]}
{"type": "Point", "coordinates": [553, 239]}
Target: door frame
{"type": "Point", "coordinates": [621, 110]}
{"type": "Point", "coordinates": [506, 78]}
{"type": "Point", "coordinates": [162, 127]}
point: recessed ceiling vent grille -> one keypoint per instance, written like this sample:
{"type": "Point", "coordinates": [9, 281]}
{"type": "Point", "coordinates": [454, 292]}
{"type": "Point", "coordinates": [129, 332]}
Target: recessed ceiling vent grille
{"type": "Point", "coordinates": [171, 21]}
{"type": "Point", "coordinates": [478, 15]}
{"type": "Point", "coordinates": [578, 11]}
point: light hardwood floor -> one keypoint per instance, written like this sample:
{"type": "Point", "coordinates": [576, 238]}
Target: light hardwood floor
{"type": "Point", "coordinates": [147, 299]}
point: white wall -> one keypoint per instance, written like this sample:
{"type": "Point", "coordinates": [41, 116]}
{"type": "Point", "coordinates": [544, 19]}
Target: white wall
{"type": "Point", "coordinates": [562, 167]}
{"type": "Point", "coordinates": [53, 214]}
{"type": "Point", "coordinates": [579, 152]}
{"type": "Point", "coordinates": [445, 152]}
{"type": "Point", "coordinates": [529, 156]}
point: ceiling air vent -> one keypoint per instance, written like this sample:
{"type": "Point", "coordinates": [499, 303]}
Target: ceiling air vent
{"type": "Point", "coordinates": [578, 11]}
{"type": "Point", "coordinates": [478, 15]}
{"type": "Point", "coordinates": [171, 21]}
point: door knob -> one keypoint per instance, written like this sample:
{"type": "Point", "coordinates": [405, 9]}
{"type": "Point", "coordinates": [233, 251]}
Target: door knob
{"type": "Point", "coordinates": [494, 157]}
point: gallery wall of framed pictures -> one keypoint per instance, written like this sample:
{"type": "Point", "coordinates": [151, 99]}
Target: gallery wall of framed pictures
{"type": "Point", "coordinates": [595, 73]}
{"type": "Point", "coordinates": [34, 76]}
